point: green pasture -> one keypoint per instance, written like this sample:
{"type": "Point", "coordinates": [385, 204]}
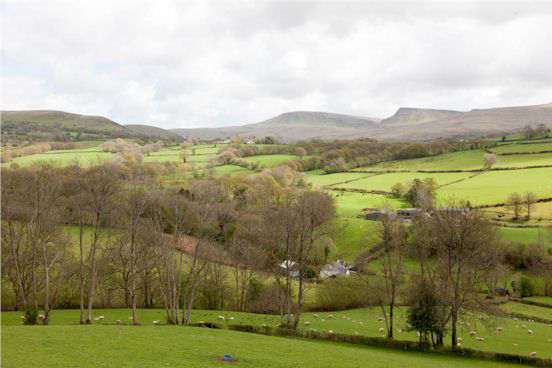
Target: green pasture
{"type": "Point", "coordinates": [364, 321]}
{"type": "Point", "coordinates": [384, 182]}
{"type": "Point", "coordinates": [533, 147]}
{"type": "Point", "coordinates": [463, 160]}
{"type": "Point", "coordinates": [172, 346]}
{"type": "Point", "coordinates": [63, 158]}
{"type": "Point", "coordinates": [527, 235]}
{"type": "Point", "coordinates": [318, 179]}
{"type": "Point", "coordinates": [541, 299]}
{"type": "Point", "coordinates": [231, 169]}
{"type": "Point", "coordinates": [495, 186]}
{"type": "Point", "coordinates": [529, 310]}
{"type": "Point", "coordinates": [270, 160]}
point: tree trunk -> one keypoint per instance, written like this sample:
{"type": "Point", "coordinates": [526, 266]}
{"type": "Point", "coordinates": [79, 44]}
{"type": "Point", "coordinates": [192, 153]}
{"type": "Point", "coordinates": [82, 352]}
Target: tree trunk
{"type": "Point", "coordinates": [81, 270]}
{"type": "Point", "coordinates": [454, 319]}
{"type": "Point", "coordinates": [133, 275]}
{"type": "Point", "coordinates": [390, 330]}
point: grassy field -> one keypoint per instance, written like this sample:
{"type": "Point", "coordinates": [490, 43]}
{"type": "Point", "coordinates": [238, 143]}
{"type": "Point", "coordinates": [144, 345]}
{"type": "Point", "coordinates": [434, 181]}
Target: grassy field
{"type": "Point", "coordinates": [170, 346]}
{"type": "Point", "coordinates": [495, 186]}
{"type": "Point", "coordinates": [464, 160]}
{"type": "Point", "coordinates": [363, 321]}
{"type": "Point", "coordinates": [541, 299]}
{"type": "Point", "coordinates": [231, 169]}
{"type": "Point", "coordinates": [534, 147]}
{"type": "Point", "coordinates": [525, 235]}
{"type": "Point", "coordinates": [318, 179]}
{"type": "Point", "coordinates": [270, 160]}
{"type": "Point", "coordinates": [385, 181]}
{"type": "Point", "coordinates": [527, 309]}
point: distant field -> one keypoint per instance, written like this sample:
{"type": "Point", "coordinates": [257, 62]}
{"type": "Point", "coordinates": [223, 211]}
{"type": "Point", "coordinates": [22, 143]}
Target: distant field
{"type": "Point", "coordinates": [319, 179]}
{"type": "Point", "coordinates": [530, 310]}
{"type": "Point", "coordinates": [64, 158]}
{"type": "Point", "coordinates": [530, 235]}
{"type": "Point", "coordinates": [385, 181]}
{"type": "Point", "coordinates": [495, 186]}
{"type": "Point", "coordinates": [170, 346]}
{"type": "Point", "coordinates": [271, 160]}
{"type": "Point", "coordinates": [464, 160]}
{"type": "Point", "coordinates": [231, 169]}
{"type": "Point", "coordinates": [534, 147]}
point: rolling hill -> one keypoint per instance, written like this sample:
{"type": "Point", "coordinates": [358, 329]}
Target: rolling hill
{"type": "Point", "coordinates": [52, 125]}
{"type": "Point", "coordinates": [405, 124]}
{"type": "Point", "coordinates": [154, 132]}
{"type": "Point", "coordinates": [292, 126]}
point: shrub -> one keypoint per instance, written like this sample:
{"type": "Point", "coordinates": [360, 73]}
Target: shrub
{"type": "Point", "coordinates": [526, 287]}
{"type": "Point", "coordinates": [31, 316]}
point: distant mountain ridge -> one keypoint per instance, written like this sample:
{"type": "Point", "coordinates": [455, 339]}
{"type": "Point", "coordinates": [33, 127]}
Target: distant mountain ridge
{"type": "Point", "coordinates": [406, 124]}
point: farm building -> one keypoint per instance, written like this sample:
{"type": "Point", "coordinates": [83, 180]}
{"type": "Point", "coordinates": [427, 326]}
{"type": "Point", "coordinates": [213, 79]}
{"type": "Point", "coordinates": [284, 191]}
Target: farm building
{"type": "Point", "coordinates": [408, 213]}
{"type": "Point", "coordinates": [377, 215]}
{"type": "Point", "coordinates": [335, 269]}
{"type": "Point", "coordinates": [291, 267]}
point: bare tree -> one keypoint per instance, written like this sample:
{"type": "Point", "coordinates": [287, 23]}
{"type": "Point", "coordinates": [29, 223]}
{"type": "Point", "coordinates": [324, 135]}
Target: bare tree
{"type": "Point", "coordinates": [529, 200]}
{"type": "Point", "coordinates": [515, 203]}
{"type": "Point", "coordinates": [489, 159]}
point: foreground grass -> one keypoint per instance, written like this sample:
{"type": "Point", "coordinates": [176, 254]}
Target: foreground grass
{"type": "Point", "coordinates": [541, 299]}
{"type": "Point", "coordinates": [364, 321]}
{"type": "Point", "coordinates": [171, 346]}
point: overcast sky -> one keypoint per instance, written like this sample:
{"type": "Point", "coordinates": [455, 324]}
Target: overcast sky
{"type": "Point", "coordinates": [190, 64]}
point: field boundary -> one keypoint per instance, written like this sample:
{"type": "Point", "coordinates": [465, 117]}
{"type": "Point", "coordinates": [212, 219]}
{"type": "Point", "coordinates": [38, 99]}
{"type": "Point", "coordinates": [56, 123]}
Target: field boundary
{"type": "Point", "coordinates": [530, 302]}
{"type": "Point", "coordinates": [380, 342]}
{"type": "Point", "coordinates": [449, 171]}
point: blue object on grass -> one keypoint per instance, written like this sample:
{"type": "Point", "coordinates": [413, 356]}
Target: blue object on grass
{"type": "Point", "coordinates": [228, 357]}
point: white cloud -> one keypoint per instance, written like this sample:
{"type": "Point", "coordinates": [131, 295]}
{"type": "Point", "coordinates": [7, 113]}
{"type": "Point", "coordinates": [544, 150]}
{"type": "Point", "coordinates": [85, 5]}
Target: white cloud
{"type": "Point", "coordinates": [208, 63]}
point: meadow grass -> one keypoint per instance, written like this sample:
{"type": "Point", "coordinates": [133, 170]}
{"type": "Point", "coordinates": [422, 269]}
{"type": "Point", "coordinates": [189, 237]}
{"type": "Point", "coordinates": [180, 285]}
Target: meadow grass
{"type": "Point", "coordinates": [530, 310]}
{"type": "Point", "coordinates": [495, 186]}
{"type": "Point", "coordinates": [63, 158]}
{"type": "Point", "coordinates": [231, 169]}
{"type": "Point", "coordinates": [533, 147]}
{"type": "Point", "coordinates": [525, 235]}
{"type": "Point", "coordinates": [384, 182]}
{"type": "Point", "coordinates": [364, 321]}
{"type": "Point", "coordinates": [318, 179]}
{"type": "Point", "coordinates": [270, 160]}
{"type": "Point", "coordinates": [463, 160]}
{"type": "Point", "coordinates": [540, 299]}
{"type": "Point", "coordinates": [172, 346]}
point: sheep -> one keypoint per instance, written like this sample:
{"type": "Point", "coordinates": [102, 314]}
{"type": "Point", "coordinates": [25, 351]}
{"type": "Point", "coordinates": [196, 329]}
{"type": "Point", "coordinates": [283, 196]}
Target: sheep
{"type": "Point", "coordinates": [515, 319]}
{"type": "Point", "coordinates": [118, 322]}
{"type": "Point", "coordinates": [156, 322]}
{"type": "Point", "coordinates": [480, 338]}
{"type": "Point", "coordinates": [381, 329]}
{"type": "Point", "coordinates": [459, 339]}
{"type": "Point", "coordinates": [330, 331]}
{"type": "Point", "coordinates": [95, 319]}
{"type": "Point", "coordinates": [41, 316]}
{"type": "Point", "coordinates": [533, 354]}
{"type": "Point", "coordinates": [473, 333]}
{"type": "Point", "coordinates": [307, 323]}
{"type": "Point", "coordinates": [22, 317]}
{"type": "Point", "coordinates": [101, 318]}
{"type": "Point", "coordinates": [130, 317]}
{"type": "Point", "coordinates": [231, 318]}
{"type": "Point", "coordinates": [362, 323]}
{"type": "Point", "coordinates": [221, 318]}
{"type": "Point", "coordinates": [418, 333]}
{"type": "Point", "coordinates": [516, 344]}
{"type": "Point", "coordinates": [499, 329]}
{"type": "Point", "coordinates": [322, 320]}
{"type": "Point", "coordinates": [530, 332]}
{"type": "Point", "coordinates": [200, 322]}
{"type": "Point", "coordinates": [380, 319]}
{"type": "Point", "coordinates": [315, 315]}
{"type": "Point", "coordinates": [330, 316]}
{"type": "Point", "coordinates": [356, 332]}
{"type": "Point", "coordinates": [264, 324]}
{"type": "Point", "coordinates": [458, 344]}
{"type": "Point", "coordinates": [523, 326]}
{"type": "Point", "coordinates": [549, 340]}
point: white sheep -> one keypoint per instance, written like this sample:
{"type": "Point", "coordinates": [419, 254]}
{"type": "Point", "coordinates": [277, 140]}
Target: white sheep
{"type": "Point", "coordinates": [315, 315]}
{"type": "Point", "coordinates": [156, 322]}
{"type": "Point", "coordinates": [330, 316]}
{"type": "Point", "coordinates": [356, 332]}
{"type": "Point", "coordinates": [200, 322]}
{"type": "Point", "coordinates": [118, 322]}
{"type": "Point", "coordinates": [322, 320]}
{"type": "Point", "coordinates": [221, 318]}
{"type": "Point", "coordinates": [533, 354]}
{"type": "Point", "coordinates": [330, 331]}
{"type": "Point", "coordinates": [22, 317]}
{"type": "Point", "coordinates": [41, 316]}
{"type": "Point", "coordinates": [516, 344]}
{"type": "Point", "coordinates": [362, 323]}
{"type": "Point", "coordinates": [499, 329]}
{"type": "Point", "coordinates": [264, 324]}
{"type": "Point", "coordinates": [381, 329]}
{"type": "Point", "coordinates": [459, 339]}
{"type": "Point", "coordinates": [307, 323]}
{"type": "Point", "coordinates": [458, 344]}
{"type": "Point", "coordinates": [530, 332]}
{"type": "Point", "coordinates": [480, 338]}
{"type": "Point", "coordinates": [231, 318]}
{"type": "Point", "coordinates": [472, 333]}
{"type": "Point", "coordinates": [130, 317]}
{"type": "Point", "coordinates": [101, 318]}
{"type": "Point", "coordinates": [549, 340]}
{"type": "Point", "coordinates": [523, 326]}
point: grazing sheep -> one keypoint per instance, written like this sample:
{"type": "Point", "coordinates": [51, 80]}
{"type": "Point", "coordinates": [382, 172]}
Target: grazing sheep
{"type": "Point", "coordinates": [315, 315]}
{"type": "Point", "coordinates": [41, 316]}
{"type": "Point", "coordinates": [533, 354]}
{"type": "Point", "coordinates": [530, 332]}
{"type": "Point", "coordinates": [480, 338]}
{"type": "Point", "coordinates": [499, 329]}
{"type": "Point", "coordinates": [459, 339]}
{"type": "Point", "coordinates": [330, 331]}
{"type": "Point", "coordinates": [264, 324]}
{"type": "Point", "coordinates": [515, 319]}
{"type": "Point", "coordinates": [549, 340]}
{"type": "Point", "coordinates": [380, 319]}
{"type": "Point", "coordinates": [458, 344]}
{"type": "Point", "coordinates": [118, 322]}
{"type": "Point", "coordinates": [472, 333]}
{"type": "Point", "coordinates": [356, 332]}
{"type": "Point", "coordinates": [322, 320]}
{"type": "Point", "coordinates": [313, 330]}
{"type": "Point", "coordinates": [200, 322]}
{"type": "Point", "coordinates": [307, 323]}
{"type": "Point", "coordinates": [221, 318]}
{"type": "Point", "coordinates": [156, 322]}
{"type": "Point", "coordinates": [330, 316]}
{"type": "Point", "coordinates": [231, 318]}
{"type": "Point", "coordinates": [362, 323]}
{"type": "Point", "coordinates": [130, 317]}
{"type": "Point", "coordinates": [524, 326]}
{"type": "Point", "coordinates": [418, 333]}
{"type": "Point", "coordinates": [381, 329]}
{"type": "Point", "coordinates": [22, 317]}
{"type": "Point", "coordinates": [515, 344]}
{"type": "Point", "coordinates": [101, 318]}
{"type": "Point", "coordinates": [95, 319]}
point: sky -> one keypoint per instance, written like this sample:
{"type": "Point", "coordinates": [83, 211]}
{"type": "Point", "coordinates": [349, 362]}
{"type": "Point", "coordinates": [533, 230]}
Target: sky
{"type": "Point", "coordinates": [186, 64]}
